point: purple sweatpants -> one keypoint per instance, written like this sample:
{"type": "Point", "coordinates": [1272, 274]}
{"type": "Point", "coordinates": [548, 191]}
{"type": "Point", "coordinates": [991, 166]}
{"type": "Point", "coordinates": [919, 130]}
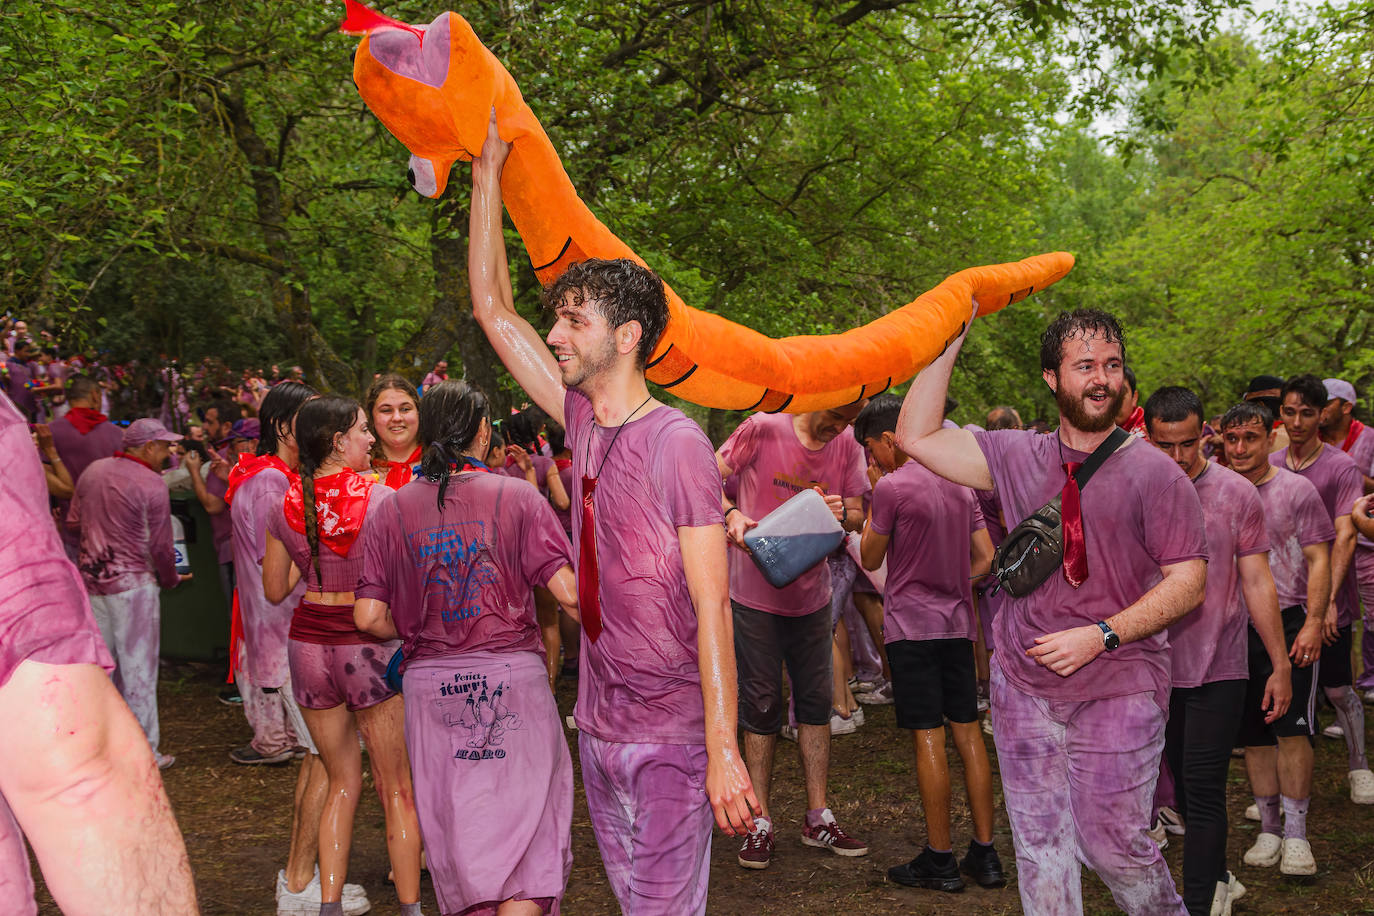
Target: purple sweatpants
{"type": "Point", "coordinates": [652, 822]}
{"type": "Point", "coordinates": [1364, 578]}
{"type": "Point", "coordinates": [1079, 782]}
{"type": "Point", "coordinates": [129, 624]}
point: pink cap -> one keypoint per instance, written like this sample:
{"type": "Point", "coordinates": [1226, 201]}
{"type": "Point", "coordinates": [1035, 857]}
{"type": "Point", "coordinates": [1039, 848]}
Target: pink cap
{"type": "Point", "coordinates": [141, 432]}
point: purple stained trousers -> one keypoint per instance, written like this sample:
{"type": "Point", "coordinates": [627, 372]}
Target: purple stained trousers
{"type": "Point", "coordinates": [129, 624]}
{"type": "Point", "coordinates": [1079, 781]}
{"type": "Point", "coordinates": [652, 822]}
{"type": "Point", "coordinates": [1364, 578]}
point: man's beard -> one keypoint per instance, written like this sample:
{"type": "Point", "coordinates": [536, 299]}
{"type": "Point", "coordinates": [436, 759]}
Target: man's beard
{"type": "Point", "coordinates": [593, 364]}
{"type": "Point", "coordinates": [1077, 415]}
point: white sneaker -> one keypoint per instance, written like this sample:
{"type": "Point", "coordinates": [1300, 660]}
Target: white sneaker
{"type": "Point", "coordinates": [306, 902]}
{"type": "Point", "coordinates": [1234, 887]}
{"type": "Point", "coordinates": [857, 686]}
{"type": "Point", "coordinates": [1221, 900]}
{"type": "Point", "coordinates": [1266, 851]}
{"type": "Point", "coordinates": [164, 761]}
{"type": "Point", "coordinates": [1297, 858]}
{"type": "Point", "coordinates": [880, 695]}
{"type": "Point", "coordinates": [1252, 813]}
{"type": "Point", "coordinates": [1171, 820]}
{"type": "Point", "coordinates": [858, 716]}
{"type": "Point", "coordinates": [789, 732]}
{"type": "Point", "coordinates": [1361, 787]}
{"type": "Point", "coordinates": [1333, 731]}
{"type": "Point", "coordinates": [987, 726]}
{"type": "Point", "coordinates": [1159, 834]}
{"type": "Point", "coordinates": [1369, 696]}
{"type": "Point", "coordinates": [839, 725]}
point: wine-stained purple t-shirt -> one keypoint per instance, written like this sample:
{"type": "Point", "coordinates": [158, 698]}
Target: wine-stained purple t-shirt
{"type": "Point", "coordinates": [461, 580]}
{"type": "Point", "coordinates": [1362, 453]}
{"type": "Point", "coordinates": [221, 525]}
{"type": "Point", "coordinates": [1339, 483]}
{"type": "Point", "coordinates": [45, 615]}
{"type": "Point", "coordinates": [1295, 518]}
{"type": "Point", "coordinates": [772, 466]}
{"type": "Point", "coordinates": [640, 680]}
{"type": "Point", "coordinates": [265, 625]}
{"type": "Point", "coordinates": [1212, 643]}
{"type": "Point", "coordinates": [929, 521]}
{"type": "Point", "coordinates": [1140, 512]}
{"type": "Point", "coordinates": [78, 451]}
{"type": "Point", "coordinates": [125, 515]}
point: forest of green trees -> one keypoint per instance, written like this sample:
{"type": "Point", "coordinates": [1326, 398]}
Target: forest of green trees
{"type": "Point", "coordinates": [189, 178]}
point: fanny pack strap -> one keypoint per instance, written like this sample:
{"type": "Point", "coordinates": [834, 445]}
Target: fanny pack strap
{"type": "Point", "coordinates": [1100, 454]}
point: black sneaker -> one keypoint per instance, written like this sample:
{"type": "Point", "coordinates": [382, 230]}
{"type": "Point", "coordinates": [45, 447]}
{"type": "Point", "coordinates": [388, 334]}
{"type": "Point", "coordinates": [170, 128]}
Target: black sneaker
{"type": "Point", "coordinates": [248, 756]}
{"type": "Point", "coordinates": [927, 871]}
{"type": "Point", "coordinates": [230, 697]}
{"type": "Point", "coordinates": [983, 866]}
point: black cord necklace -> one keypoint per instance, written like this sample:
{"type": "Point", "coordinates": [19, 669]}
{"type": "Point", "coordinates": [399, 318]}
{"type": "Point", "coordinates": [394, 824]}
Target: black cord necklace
{"type": "Point", "coordinates": [588, 462]}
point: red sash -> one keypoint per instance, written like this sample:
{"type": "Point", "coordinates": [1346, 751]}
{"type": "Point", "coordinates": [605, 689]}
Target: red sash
{"type": "Point", "coordinates": [1356, 427]}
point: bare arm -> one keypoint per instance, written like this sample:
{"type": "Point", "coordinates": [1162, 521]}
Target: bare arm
{"type": "Point", "coordinates": [212, 504]}
{"type": "Point", "coordinates": [279, 574]}
{"type": "Point", "coordinates": [79, 775]}
{"type": "Point", "coordinates": [558, 494]}
{"type": "Point", "coordinates": [737, 524]}
{"type": "Point", "coordinates": [563, 587]}
{"type": "Point", "coordinates": [980, 554]}
{"type": "Point", "coordinates": [373, 616]}
{"type": "Point", "coordinates": [727, 780]}
{"type": "Point", "coordinates": [1342, 552]}
{"type": "Point", "coordinates": [1257, 585]}
{"type": "Point", "coordinates": [872, 547]}
{"type": "Point", "coordinates": [1321, 613]}
{"type": "Point", "coordinates": [1179, 592]}
{"type": "Point", "coordinates": [952, 453]}
{"type": "Point", "coordinates": [1359, 516]}
{"type": "Point", "coordinates": [516, 342]}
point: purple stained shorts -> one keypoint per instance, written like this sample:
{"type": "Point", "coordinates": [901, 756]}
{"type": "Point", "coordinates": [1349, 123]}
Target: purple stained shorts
{"type": "Point", "coordinates": [352, 675]}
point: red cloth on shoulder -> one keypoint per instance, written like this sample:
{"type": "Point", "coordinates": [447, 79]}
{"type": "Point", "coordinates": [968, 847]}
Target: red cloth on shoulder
{"type": "Point", "coordinates": [84, 419]}
{"type": "Point", "coordinates": [340, 506]}
{"type": "Point", "coordinates": [250, 465]}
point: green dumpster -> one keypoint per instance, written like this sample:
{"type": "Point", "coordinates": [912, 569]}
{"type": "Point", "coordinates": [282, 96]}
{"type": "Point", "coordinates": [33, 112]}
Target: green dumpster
{"type": "Point", "coordinates": [195, 614]}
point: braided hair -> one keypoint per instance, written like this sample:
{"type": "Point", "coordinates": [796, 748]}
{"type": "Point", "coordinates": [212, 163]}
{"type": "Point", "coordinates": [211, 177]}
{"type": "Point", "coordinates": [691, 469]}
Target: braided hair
{"type": "Point", "coordinates": [451, 417]}
{"type": "Point", "coordinates": [317, 423]}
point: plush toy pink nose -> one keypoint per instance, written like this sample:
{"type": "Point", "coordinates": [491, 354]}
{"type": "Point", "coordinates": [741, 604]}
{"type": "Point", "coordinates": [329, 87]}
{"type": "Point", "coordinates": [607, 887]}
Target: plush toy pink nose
{"type": "Point", "coordinates": [425, 178]}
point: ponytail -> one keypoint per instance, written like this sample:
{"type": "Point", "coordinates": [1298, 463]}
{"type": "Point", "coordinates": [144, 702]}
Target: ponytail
{"type": "Point", "coordinates": [312, 527]}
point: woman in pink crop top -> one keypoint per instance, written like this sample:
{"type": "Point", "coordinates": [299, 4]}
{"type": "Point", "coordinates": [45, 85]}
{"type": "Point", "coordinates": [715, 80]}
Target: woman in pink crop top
{"type": "Point", "coordinates": [338, 674]}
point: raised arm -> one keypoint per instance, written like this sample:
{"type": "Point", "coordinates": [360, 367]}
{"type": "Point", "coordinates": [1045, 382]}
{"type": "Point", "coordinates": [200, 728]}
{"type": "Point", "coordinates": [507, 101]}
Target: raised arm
{"type": "Point", "coordinates": [952, 453]}
{"type": "Point", "coordinates": [516, 342]}
{"type": "Point", "coordinates": [727, 780]}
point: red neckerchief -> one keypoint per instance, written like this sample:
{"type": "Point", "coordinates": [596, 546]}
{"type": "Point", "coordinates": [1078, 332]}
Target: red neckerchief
{"type": "Point", "coordinates": [85, 419]}
{"type": "Point", "coordinates": [1356, 427]}
{"type": "Point", "coordinates": [139, 460]}
{"type": "Point", "coordinates": [1135, 423]}
{"type": "Point", "coordinates": [340, 506]}
{"type": "Point", "coordinates": [249, 466]}
{"type": "Point", "coordinates": [398, 473]}
{"type": "Point", "coordinates": [562, 463]}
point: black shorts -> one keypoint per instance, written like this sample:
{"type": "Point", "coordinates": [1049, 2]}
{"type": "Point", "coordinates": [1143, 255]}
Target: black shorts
{"type": "Point", "coordinates": [1336, 670]}
{"type": "Point", "coordinates": [933, 680]}
{"type": "Point", "coordinates": [1300, 719]}
{"type": "Point", "coordinates": [764, 642]}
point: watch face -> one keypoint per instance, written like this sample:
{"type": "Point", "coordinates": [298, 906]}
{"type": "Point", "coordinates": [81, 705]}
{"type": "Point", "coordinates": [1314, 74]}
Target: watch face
{"type": "Point", "coordinates": [1111, 641]}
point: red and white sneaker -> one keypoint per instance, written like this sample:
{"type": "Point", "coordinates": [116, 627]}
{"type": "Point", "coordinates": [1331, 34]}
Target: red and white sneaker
{"type": "Point", "coordinates": [757, 850]}
{"type": "Point", "coordinates": [830, 835]}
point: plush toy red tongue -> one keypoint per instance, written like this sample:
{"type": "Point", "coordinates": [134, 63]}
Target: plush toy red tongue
{"type": "Point", "coordinates": [359, 20]}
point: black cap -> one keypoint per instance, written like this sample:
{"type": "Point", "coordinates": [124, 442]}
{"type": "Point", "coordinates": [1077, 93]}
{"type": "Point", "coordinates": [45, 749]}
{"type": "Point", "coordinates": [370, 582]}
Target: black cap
{"type": "Point", "coordinates": [1264, 383]}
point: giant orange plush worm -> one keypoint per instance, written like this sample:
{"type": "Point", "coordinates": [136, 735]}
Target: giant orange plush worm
{"type": "Point", "coordinates": [434, 88]}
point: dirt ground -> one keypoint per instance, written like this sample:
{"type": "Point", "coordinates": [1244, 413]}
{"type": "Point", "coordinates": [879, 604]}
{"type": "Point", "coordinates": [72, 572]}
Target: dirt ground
{"type": "Point", "coordinates": [236, 820]}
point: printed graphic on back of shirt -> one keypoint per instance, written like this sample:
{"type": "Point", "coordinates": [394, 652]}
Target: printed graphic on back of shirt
{"type": "Point", "coordinates": [477, 712]}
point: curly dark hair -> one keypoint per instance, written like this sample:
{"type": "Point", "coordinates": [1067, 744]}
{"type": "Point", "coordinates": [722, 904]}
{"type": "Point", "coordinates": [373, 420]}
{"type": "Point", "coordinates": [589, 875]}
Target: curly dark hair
{"type": "Point", "coordinates": [621, 291]}
{"type": "Point", "coordinates": [1078, 323]}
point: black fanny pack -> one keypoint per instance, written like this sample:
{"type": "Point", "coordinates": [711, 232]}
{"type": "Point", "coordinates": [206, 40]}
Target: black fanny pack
{"type": "Point", "coordinates": [1034, 549]}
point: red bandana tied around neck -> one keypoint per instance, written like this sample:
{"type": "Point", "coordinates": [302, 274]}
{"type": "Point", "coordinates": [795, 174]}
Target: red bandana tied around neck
{"type": "Point", "coordinates": [139, 460]}
{"type": "Point", "coordinates": [340, 506]}
{"type": "Point", "coordinates": [249, 466]}
{"type": "Point", "coordinates": [1135, 423]}
{"type": "Point", "coordinates": [1356, 427]}
{"type": "Point", "coordinates": [85, 419]}
{"type": "Point", "coordinates": [1071, 514]}
{"type": "Point", "coordinates": [588, 578]}
{"type": "Point", "coordinates": [562, 463]}
{"type": "Point", "coordinates": [398, 473]}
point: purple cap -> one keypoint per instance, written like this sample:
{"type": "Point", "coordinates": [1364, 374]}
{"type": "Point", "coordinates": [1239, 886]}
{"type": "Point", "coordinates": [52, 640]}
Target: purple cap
{"type": "Point", "coordinates": [141, 432]}
{"type": "Point", "coordinates": [1339, 388]}
{"type": "Point", "coordinates": [246, 428]}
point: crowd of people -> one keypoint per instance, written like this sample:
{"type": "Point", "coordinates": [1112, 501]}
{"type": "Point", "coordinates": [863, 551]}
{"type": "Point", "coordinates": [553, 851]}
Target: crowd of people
{"type": "Point", "coordinates": [1125, 601]}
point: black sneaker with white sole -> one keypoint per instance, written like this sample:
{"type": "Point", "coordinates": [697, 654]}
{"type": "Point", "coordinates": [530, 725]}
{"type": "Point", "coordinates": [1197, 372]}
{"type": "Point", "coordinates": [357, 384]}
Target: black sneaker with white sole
{"type": "Point", "coordinates": [929, 870]}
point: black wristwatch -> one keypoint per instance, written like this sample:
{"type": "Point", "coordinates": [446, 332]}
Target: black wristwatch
{"type": "Point", "coordinates": [1109, 638]}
